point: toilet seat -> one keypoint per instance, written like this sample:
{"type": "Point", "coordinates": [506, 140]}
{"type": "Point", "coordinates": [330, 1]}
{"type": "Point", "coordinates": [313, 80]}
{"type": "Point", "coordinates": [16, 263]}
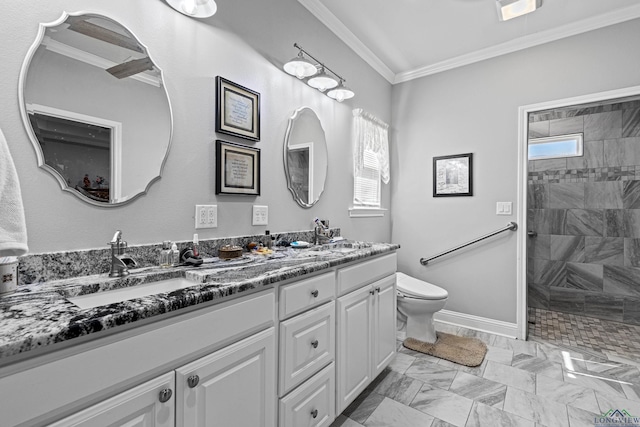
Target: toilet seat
{"type": "Point", "coordinates": [414, 288]}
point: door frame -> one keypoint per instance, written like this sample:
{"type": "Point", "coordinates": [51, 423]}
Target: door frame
{"type": "Point", "coordinates": [523, 170]}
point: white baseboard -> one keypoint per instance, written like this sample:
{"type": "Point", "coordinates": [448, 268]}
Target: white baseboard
{"type": "Point", "coordinates": [483, 324]}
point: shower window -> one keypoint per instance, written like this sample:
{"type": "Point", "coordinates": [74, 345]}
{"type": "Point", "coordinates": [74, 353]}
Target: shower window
{"type": "Point", "coordinates": [556, 147]}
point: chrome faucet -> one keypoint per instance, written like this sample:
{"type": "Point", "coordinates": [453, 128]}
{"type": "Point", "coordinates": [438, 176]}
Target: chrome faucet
{"type": "Point", "coordinates": [120, 262]}
{"type": "Point", "coordinates": [322, 232]}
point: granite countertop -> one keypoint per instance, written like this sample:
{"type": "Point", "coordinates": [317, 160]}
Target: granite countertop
{"type": "Point", "coordinates": [39, 315]}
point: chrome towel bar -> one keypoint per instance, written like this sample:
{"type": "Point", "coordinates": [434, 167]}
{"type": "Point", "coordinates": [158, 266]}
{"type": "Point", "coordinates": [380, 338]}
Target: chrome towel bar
{"type": "Point", "coordinates": [511, 226]}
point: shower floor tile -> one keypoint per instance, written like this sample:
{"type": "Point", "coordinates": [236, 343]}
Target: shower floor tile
{"type": "Point", "coordinates": [603, 337]}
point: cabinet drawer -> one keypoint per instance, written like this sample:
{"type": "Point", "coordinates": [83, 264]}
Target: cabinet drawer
{"type": "Point", "coordinates": [300, 296]}
{"type": "Point", "coordinates": [350, 278]}
{"type": "Point", "coordinates": [313, 403]}
{"type": "Point", "coordinates": [307, 343]}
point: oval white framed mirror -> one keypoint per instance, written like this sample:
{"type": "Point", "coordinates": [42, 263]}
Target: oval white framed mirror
{"type": "Point", "coordinates": [96, 108]}
{"type": "Point", "coordinates": [305, 157]}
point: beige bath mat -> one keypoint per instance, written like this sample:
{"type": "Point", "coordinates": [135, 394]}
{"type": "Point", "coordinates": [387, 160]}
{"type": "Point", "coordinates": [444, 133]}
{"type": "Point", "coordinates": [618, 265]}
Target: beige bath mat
{"type": "Point", "coordinates": [462, 350]}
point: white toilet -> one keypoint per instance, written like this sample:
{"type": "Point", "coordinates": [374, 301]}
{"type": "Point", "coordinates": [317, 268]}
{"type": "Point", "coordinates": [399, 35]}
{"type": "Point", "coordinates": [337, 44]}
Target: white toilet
{"type": "Point", "coordinates": [418, 301]}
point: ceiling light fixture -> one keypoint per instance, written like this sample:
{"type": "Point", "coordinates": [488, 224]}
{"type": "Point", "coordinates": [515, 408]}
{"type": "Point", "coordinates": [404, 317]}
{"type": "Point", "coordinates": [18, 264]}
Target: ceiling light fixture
{"type": "Point", "coordinates": [318, 75]}
{"type": "Point", "coordinates": [509, 9]}
{"type": "Point", "coordinates": [195, 8]}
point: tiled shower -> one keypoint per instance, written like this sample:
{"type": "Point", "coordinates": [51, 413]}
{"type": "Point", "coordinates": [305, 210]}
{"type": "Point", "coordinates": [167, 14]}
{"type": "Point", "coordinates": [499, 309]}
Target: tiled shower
{"type": "Point", "coordinates": [585, 258]}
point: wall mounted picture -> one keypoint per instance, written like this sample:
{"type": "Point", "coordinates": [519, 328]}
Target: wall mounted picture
{"type": "Point", "coordinates": [237, 169]}
{"type": "Point", "coordinates": [453, 175]}
{"type": "Point", "coordinates": [237, 110]}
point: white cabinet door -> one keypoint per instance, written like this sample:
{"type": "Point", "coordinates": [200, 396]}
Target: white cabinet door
{"type": "Point", "coordinates": [313, 404]}
{"type": "Point", "coordinates": [384, 330]}
{"type": "Point", "coordinates": [151, 404]}
{"type": "Point", "coordinates": [354, 312]}
{"type": "Point", "coordinates": [235, 386]}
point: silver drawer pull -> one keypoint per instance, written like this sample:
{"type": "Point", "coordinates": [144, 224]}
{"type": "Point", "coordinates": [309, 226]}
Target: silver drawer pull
{"type": "Point", "coordinates": [165, 395]}
{"type": "Point", "coordinates": [315, 293]}
{"type": "Point", "coordinates": [314, 343]}
{"type": "Point", "coordinates": [314, 413]}
{"type": "Point", "coordinates": [378, 289]}
{"type": "Point", "coordinates": [193, 381]}
{"type": "Point", "coordinates": [372, 291]}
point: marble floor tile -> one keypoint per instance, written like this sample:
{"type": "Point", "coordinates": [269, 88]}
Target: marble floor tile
{"type": "Point", "coordinates": [343, 421]}
{"type": "Point", "coordinates": [581, 418]}
{"type": "Point", "coordinates": [484, 415]}
{"type": "Point", "coordinates": [538, 366]}
{"type": "Point", "coordinates": [443, 404]}
{"type": "Point", "coordinates": [499, 355]}
{"type": "Point", "coordinates": [517, 346]}
{"type": "Point", "coordinates": [608, 401]}
{"type": "Point", "coordinates": [398, 387]}
{"type": "Point", "coordinates": [632, 391]}
{"type": "Point", "coordinates": [473, 370]}
{"type": "Point", "coordinates": [510, 376]}
{"type": "Point", "coordinates": [598, 383]}
{"type": "Point", "coordinates": [401, 362]}
{"type": "Point", "coordinates": [440, 423]}
{"type": "Point", "coordinates": [535, 408]}
{"type": "Point", "coordinates": [560, 355]}
{"type": "Point", "coordinates": [479, 389]}
{"type": "Point", "coordinates": [363, 406]}
{"type": "Point", "coordinates": [393, 414]}
{"type": "Point", "coordinates": [567, 393]}
{"type": "Point", "coordinates": [431, 373]}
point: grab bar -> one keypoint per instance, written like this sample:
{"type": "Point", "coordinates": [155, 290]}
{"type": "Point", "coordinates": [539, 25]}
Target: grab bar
{"type": "Point", "coordinates": [511, 226]}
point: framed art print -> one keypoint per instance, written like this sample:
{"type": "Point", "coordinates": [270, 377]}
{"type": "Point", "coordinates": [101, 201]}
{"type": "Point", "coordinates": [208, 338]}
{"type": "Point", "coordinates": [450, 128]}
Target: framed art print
{"type": "Point", "coordinates": [237, 169]}
{"type": "Point", "coordinates": [237, 110]}
{"type": "Point", "coordinates": [452, 175]}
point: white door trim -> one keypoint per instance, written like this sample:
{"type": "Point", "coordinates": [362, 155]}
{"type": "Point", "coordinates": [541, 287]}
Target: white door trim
{"type": "Point", "coordinates": [523, 114]}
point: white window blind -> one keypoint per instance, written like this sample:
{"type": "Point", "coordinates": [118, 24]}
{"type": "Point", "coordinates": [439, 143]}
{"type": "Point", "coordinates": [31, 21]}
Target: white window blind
{"type": "Point", "coordinates": [367, 186]}
{"type": "Point", "coordinates": [370, 159]}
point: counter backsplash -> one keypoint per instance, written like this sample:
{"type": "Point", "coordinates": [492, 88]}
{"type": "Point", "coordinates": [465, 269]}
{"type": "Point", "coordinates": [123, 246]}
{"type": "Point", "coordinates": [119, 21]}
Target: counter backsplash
{"type": "Point", "coordinates": [38, 268]}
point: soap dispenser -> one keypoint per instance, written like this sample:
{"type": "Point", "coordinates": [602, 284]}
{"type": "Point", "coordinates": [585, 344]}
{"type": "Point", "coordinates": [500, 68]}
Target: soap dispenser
{"type": "Point", "coordinates": [165, 254]}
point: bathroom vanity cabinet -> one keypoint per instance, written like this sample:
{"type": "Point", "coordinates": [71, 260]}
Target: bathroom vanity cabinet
{"type": "Point", "coordinates": [294, 354]}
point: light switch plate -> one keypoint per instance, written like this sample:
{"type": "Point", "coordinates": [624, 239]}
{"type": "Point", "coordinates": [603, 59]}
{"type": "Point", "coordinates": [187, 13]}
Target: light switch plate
{"type": "Point", "coordinates": [504, 208]}
{"type": "Point", "coordinates": [260, 215]}
{"type": "Point", "coordinates": [206, 216]}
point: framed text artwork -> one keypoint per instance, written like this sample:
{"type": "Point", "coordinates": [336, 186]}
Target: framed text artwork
{"type": "Point", "coordinates": [453, 175]}
{"type": "Point", "coordinates": [237, 110]}
{"type": "Point", "coordinates": [237, 169]}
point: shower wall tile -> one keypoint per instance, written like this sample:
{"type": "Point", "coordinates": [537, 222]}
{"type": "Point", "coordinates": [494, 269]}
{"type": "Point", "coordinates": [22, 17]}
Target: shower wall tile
{"type": "Point", "coordinates": [539, 247]}
{"type": "Point", "coordinates": [543, 221]}
{"type": "Point", "coordinates": [548, 164]}
{"type": "Point", "coordinates": [566, 300]}
{"type": "Point", "coordinates": [631, 122]}
{"type": "Point", "coordinates": [588, 277]}
{"type": "Point", "coordinates": [631, 222]}
{"type": "Point", "coordinates": [550, 273]}
{"type": "Point", "coordinates": [603, 126]}
{"type": "Point", "coordinates": [538, 296]}
{"type": "Point", "coordinates": [604, 306]}
{"type": "Point", "coordinates": [584, 222]}
{"type": "Point", "coordinates": [604, 250]}
{"type": "Point", "coordinates": [567, 248]}
{"type": "Point", "coordinates": [538, 196]}
{"type": "Point", "coordinates": [632, 252]}
{"type": "Point", "coordinates": [566, 126]}
{"type": "Point", "coordinates": [631, 194]}
{"type": "Point", "coordinates": [566, 195]}
{"type": "Point", "coordinates": [539, 129]}
{"type": "Point", "coordinates": [593, 156]}
{"type": "Point", "coordinates": [556, 220]}
{"type": "Point", "coordinates": [614, 223]}
{"type": "Point", "coordinates": [622, 151]}
{"type": "Point", "coordinates": [622, 281]}
{"type": "Point", "coordinates": [603, 195]}
{"type": "Point", "coordinates": [631, 311]}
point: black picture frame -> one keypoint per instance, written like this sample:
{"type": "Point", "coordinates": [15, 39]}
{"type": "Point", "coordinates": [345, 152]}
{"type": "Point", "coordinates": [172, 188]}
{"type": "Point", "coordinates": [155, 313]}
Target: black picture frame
{"type": "Point", "coordinates": [453, 175]}
{"type": "Point", "coordinates": [237, 169]}
{"type": "Point", "coordinates": [237, 110]}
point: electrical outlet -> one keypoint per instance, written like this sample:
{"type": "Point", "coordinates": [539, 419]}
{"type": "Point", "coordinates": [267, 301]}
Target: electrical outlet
{"type": "Point", "coordinates": [503, 208]}
{"type": "Point", "coordinates": [206, 216]}
{"type": "Point", "coordinates": [260, 215]}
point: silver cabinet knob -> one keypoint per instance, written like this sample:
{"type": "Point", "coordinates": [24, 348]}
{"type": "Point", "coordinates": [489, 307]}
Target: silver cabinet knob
{"type": "Point", "coordinates": [193, 381]}
{"type": "Point", "coordinates": [314, 343]}
{"type": "Point", "coordinates": [315, 293]}
{"type": "Point", "coordinates": [314, 413]}
{"type": "Point", "coordinates": [165, 395]}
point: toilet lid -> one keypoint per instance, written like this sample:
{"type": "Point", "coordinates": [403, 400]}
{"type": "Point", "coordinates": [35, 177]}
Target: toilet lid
{"type": "Point", "coordinates": [415, 288]}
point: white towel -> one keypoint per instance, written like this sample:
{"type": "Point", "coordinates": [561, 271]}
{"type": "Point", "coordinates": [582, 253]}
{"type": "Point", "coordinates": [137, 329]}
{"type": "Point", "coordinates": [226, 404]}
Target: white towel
{"type": "Point", "coordinates": [13, 229]}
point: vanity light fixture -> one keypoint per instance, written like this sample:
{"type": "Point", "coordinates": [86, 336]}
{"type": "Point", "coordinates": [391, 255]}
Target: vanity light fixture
{"type": "Point", "coordinates": [195, 8]}
{"type": "Point", "coordinates": [509, 9]}
{"type": "Point", "coordinates": [318, 75]}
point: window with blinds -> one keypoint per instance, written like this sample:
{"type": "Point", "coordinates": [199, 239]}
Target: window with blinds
{"type": "Point", "coordinates": [366, 190]}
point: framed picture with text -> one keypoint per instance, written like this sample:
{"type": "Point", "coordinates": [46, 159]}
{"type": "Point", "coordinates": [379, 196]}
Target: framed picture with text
{"type": "Point", "coordinates": [237, 110]}
{"type": "Point", "coordinates": [453, 175]}
{"type": "Point", "coordinates": [237, 169]}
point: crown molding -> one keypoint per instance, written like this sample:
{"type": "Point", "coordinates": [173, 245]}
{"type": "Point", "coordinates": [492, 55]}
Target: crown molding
{"type": "Point", "coordinates": [339, 29]}
{"type": "Point", "coordinates": [325, 16]}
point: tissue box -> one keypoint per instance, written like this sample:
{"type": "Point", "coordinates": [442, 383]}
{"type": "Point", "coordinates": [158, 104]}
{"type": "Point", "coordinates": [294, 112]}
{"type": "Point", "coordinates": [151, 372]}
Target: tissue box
{"type": "Point", "coordinates": [8, 277]}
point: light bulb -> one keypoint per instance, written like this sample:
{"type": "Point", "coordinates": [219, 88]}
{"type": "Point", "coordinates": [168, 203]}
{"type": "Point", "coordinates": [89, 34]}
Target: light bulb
{"type": "Point", "coordinates": [189, 6]}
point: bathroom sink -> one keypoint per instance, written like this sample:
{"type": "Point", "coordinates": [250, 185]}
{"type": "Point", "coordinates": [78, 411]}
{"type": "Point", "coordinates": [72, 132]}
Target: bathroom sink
{"type": "Point", "coordinates": [98, 299]}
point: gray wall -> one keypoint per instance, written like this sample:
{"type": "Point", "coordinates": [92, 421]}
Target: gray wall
{"type": "Point", "coordinates": [586, 212]}
{"type": "Point", "coordinates": [246, 42]}
{"type": "Point", "coordinates": [475, 109]}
